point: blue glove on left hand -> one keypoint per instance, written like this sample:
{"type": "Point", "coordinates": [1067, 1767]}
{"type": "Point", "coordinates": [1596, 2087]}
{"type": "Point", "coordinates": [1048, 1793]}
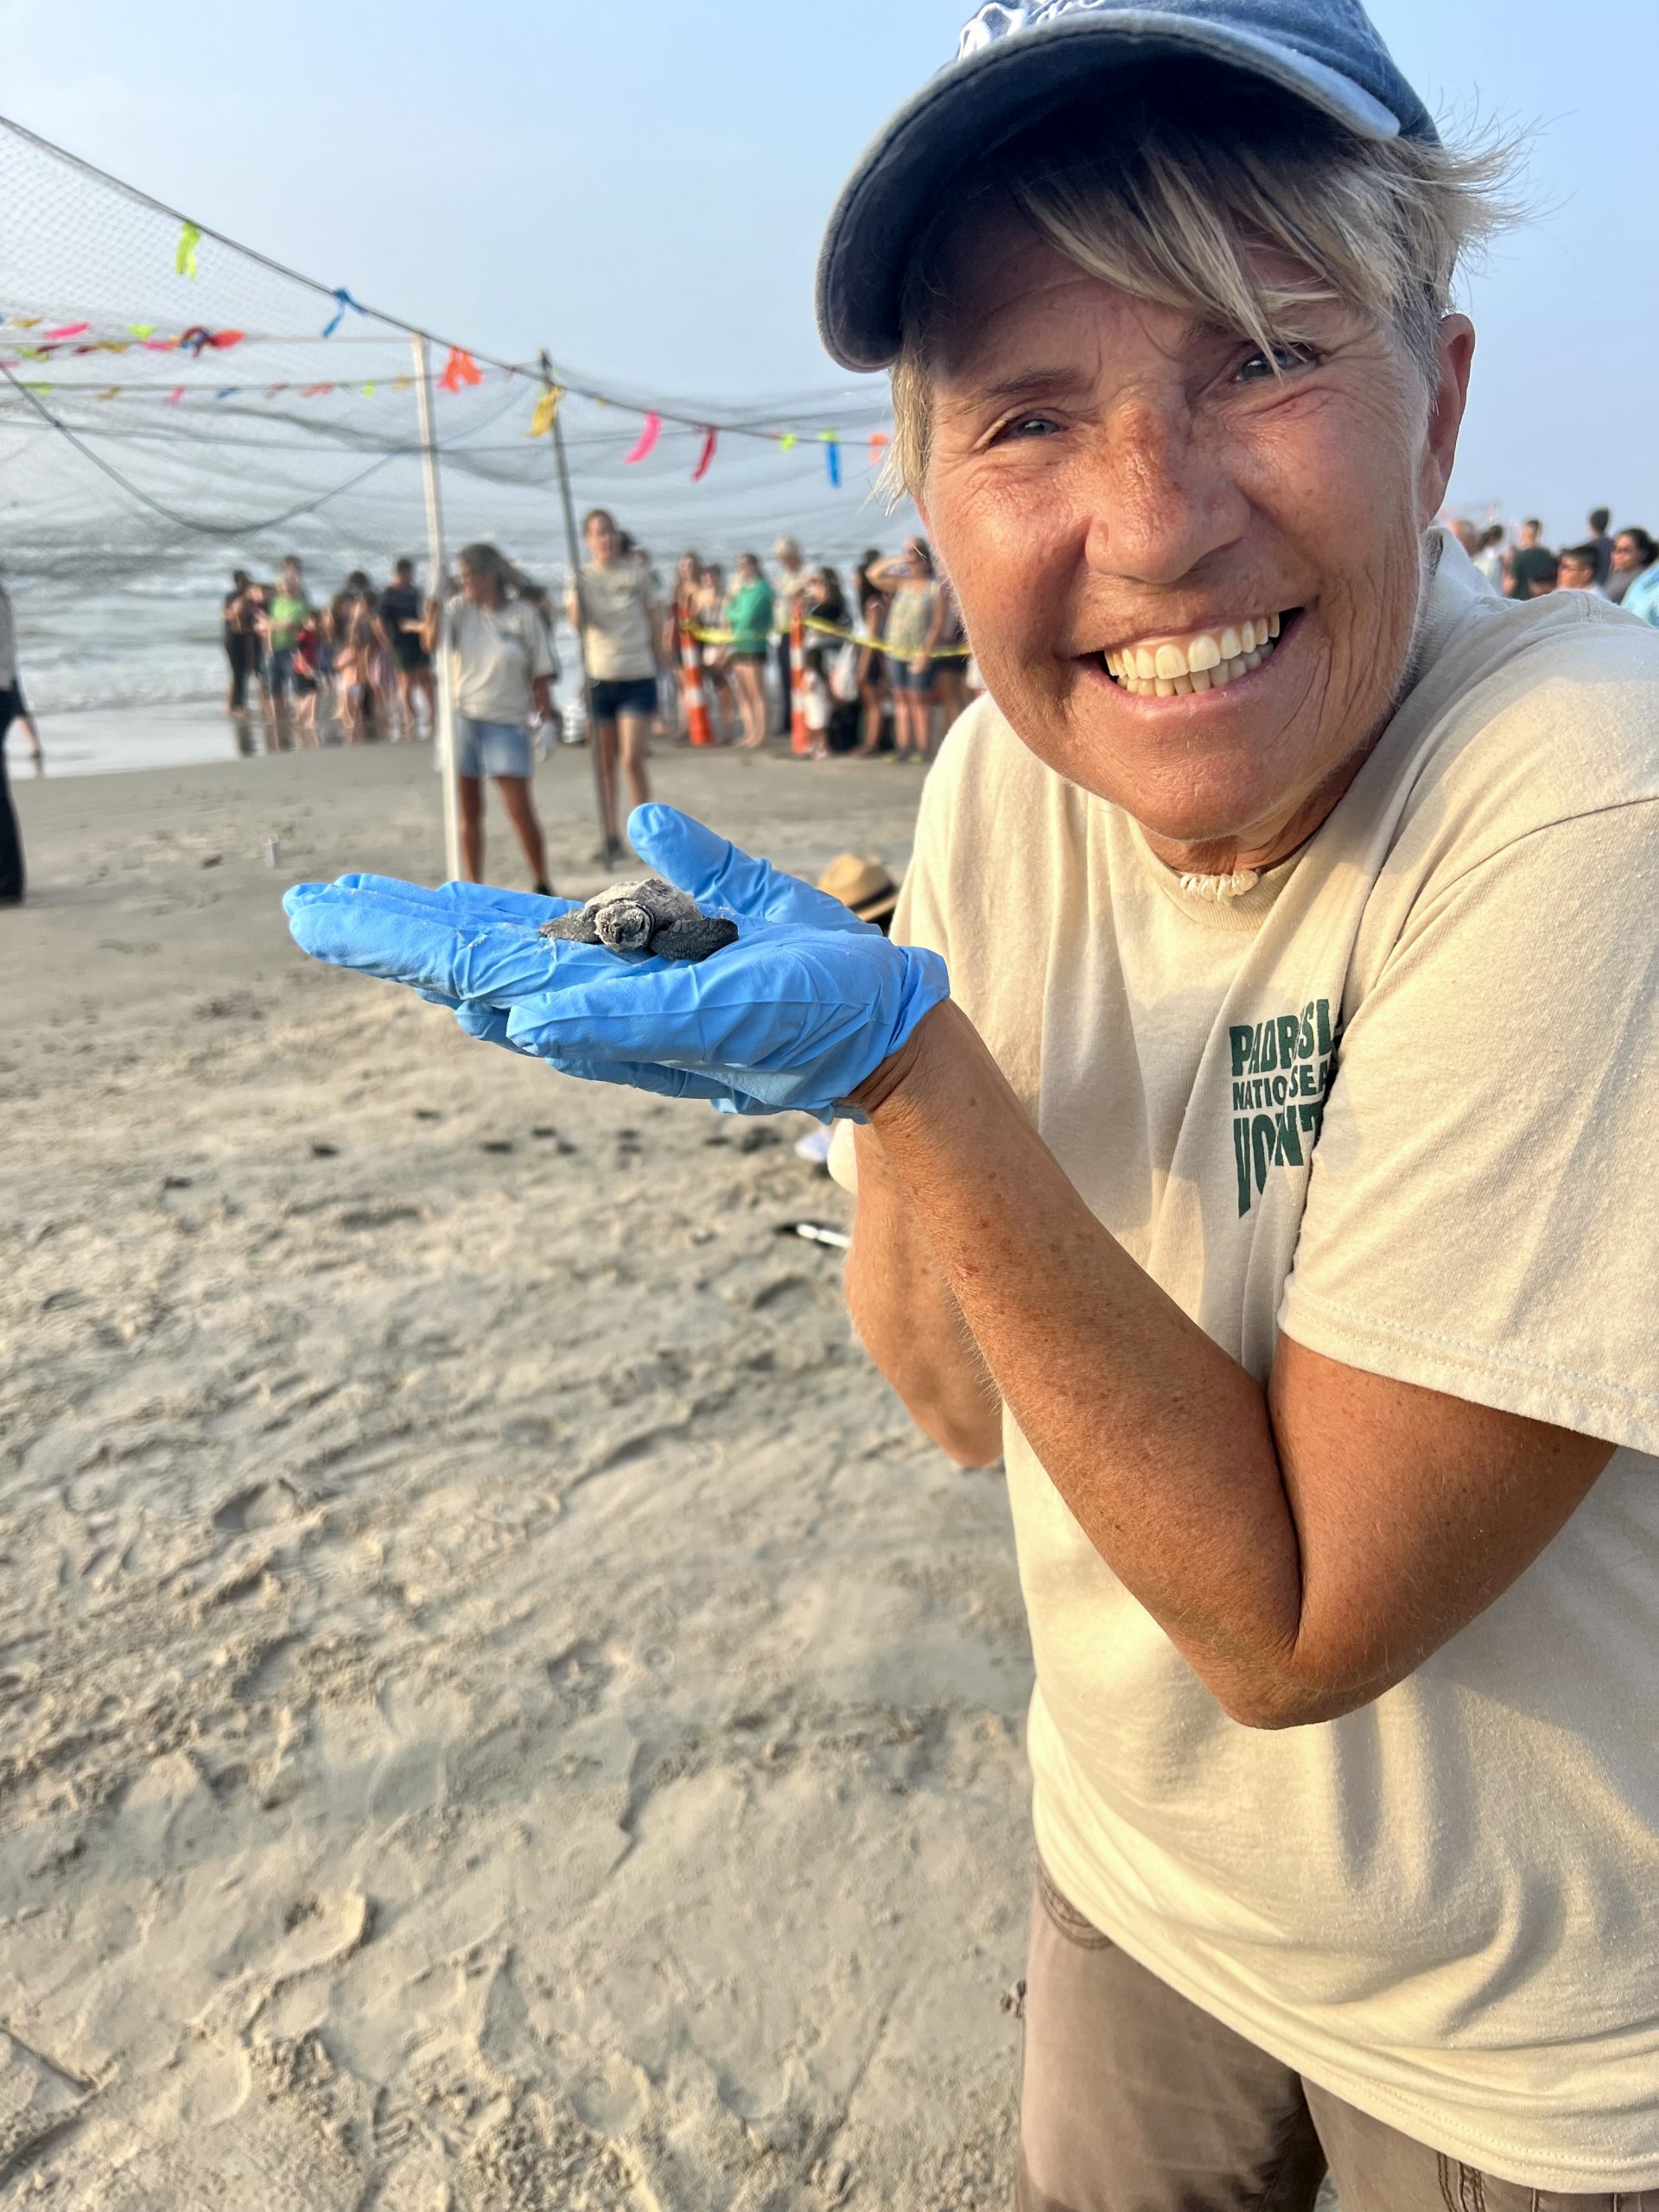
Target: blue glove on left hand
{"type": "Point", "coordinates": [807, 1004]}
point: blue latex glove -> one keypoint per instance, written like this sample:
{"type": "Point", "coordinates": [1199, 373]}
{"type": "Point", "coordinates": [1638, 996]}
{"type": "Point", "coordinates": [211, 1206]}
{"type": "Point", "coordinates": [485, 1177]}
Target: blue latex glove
{"type": "Point", "coordinates": [795, 1015]}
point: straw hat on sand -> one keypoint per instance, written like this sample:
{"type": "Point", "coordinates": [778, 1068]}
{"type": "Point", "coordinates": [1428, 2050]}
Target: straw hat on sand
{"type": "Point", "coordinates": [860, 880]}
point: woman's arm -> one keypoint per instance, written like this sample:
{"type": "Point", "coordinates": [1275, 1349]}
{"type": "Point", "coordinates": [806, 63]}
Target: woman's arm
{"type": "Point", "coordinates": [1306, 1546]}
{"type": "Point", "coordinates": [907, 1316]}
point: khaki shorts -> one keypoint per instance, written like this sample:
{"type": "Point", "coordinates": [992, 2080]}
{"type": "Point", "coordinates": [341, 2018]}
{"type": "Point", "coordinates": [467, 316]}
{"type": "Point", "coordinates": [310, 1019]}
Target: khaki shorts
{"type": "Point", "coordinates": [1132, 2099]}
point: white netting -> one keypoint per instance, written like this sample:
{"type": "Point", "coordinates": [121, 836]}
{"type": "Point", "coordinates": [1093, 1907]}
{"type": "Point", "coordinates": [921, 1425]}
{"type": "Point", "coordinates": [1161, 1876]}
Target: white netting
{"type": "Point", "coordinates": [170, 406]}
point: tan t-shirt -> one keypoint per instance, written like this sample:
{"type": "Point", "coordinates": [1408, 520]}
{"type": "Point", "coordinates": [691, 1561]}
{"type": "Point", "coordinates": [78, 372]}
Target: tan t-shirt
{"type": "Point", "coordinates": [1401, 1101]}
{"type": "Point", "coordinates": [496, 654]}
{"type": "Point", "coordinates": [616, 613]}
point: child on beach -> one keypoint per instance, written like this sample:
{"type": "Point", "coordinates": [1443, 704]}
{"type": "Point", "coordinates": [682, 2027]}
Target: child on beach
{"type": "Point", "coordinates": [306, 673]}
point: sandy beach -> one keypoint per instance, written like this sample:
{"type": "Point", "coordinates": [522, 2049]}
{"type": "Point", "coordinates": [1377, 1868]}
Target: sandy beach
{"type": "Point", "coordinates": [498, 1707]}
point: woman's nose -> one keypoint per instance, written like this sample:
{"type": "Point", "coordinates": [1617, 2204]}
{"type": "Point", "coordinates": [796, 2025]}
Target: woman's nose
{"type": "Point", "coordinates": [1159, 501]}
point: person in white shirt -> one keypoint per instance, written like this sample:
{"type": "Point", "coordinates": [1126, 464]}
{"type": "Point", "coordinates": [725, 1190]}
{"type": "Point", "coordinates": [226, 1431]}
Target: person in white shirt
{"type": "Point", "coordinates": [503, 672]}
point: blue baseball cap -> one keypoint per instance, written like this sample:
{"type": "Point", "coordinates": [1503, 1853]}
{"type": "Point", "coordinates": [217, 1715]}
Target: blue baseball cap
{"type": "Point", "coordinates": [1019, 57]}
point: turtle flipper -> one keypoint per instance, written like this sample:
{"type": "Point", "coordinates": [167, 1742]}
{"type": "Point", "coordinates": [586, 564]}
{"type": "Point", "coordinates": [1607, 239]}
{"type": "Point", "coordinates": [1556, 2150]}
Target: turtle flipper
{"type": "Point", "coordinates": [696, 940]}
{"type": "Point", "coordinates": [574, 928]}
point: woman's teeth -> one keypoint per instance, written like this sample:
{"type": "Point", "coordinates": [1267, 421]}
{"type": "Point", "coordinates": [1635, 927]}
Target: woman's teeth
{"type": "Point", "coordinates": [1206, 662]}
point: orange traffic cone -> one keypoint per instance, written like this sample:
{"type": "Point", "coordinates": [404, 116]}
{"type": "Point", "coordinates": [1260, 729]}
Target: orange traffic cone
{"type": "Point", "coordinates": [698, 726]}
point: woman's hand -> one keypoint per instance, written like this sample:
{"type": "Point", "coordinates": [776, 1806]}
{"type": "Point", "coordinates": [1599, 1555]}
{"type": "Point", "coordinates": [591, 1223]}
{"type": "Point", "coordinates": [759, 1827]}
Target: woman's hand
{"type": "Point", "coordinates": [805, 1006]}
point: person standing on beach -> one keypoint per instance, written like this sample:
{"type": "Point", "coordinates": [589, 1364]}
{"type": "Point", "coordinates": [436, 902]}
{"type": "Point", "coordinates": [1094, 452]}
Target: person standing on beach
{"type": "Point", "coordinates": [403, 630]}
{"type": "Point", "coordinates": [503, 673]}
{"type": "Point", "coordinates": [243, 605]}
{"type": "Point", "coordinates": [725, 709]}
{"type": "Point", "coordinates": [353, 635]}
{"type": "Point", "coordinates": [12, 709]}
{"type": "Point", "coordinates": [1251, 1115]}
{"type": "Point", "coordinates": [284, 616]}
{"type": "Point", "coordinates": [914, 625]}
{"type": "Point", "coordinates": [1600, 539]}
{"type": "Point", "coordinates": [1530, 561]}
{"type": "Point", "coordinates": [788, 593]}
{"type": "Point", "coordinates": [749, 619]}
{"type": "Point", "coordinates": [612, 604]}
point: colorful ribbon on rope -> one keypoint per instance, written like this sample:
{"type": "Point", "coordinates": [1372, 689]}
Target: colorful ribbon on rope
{"type": "Point", "coordinates": [344, 300]}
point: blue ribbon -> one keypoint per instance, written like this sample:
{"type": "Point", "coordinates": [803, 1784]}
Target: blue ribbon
{"type": "Point", "coordinates": [339, 315]}
{"type": "Point", "coordinates": [832, 461]}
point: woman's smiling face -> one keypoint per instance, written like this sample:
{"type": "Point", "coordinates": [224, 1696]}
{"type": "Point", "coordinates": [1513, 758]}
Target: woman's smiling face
{"type": "Point", "coordinates": [1191, 583]}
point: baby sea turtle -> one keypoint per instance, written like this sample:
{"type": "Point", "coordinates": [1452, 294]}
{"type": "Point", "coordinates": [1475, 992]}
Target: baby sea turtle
{"type": "Point", "coordinates": [648, 917]}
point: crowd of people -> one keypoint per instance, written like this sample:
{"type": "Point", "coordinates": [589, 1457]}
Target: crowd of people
{"type": "Point", "coordinates": [362, 649]}
{"type": "Point", "coordinates": [1622, 565]}
{"type": "Point", "coordinates": [885, 668]}
{"type": "Point", "coordinates": [888, 667]}
{"type": "Point", "coordinates": [887, 663]}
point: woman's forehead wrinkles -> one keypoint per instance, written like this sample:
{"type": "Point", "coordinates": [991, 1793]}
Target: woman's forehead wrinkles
{"type": "Point", "coordinates": [1061, 341]}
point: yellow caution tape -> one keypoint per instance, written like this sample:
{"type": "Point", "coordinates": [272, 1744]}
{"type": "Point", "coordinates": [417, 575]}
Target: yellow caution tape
{"type": "Point", "coordinates": [845, 637]}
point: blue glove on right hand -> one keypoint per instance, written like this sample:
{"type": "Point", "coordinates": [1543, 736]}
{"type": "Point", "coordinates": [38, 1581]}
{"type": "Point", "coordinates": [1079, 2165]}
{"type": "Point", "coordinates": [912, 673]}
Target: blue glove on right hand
{"type": "Point", "coordinates": [807, 1004]}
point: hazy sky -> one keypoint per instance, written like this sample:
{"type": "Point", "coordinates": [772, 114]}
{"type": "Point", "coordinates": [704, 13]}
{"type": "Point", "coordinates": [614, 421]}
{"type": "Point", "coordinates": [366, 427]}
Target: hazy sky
{"type": "Point", "coordinates": [640, 184]}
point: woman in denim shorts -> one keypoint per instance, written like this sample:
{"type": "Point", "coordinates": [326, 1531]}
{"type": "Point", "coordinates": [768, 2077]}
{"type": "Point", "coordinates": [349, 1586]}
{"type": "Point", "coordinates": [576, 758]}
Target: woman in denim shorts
{"type": "Point", "coordinates": [503, 674]}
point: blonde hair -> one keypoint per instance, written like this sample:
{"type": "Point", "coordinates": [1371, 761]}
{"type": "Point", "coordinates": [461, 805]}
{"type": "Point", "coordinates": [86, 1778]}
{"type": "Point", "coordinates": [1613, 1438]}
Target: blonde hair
{"type": "Point", "coordinates": [1176, 212]}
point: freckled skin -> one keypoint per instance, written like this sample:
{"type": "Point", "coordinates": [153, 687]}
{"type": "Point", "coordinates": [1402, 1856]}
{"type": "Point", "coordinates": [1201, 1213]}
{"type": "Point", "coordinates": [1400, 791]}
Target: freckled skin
{"type": "Point", "coordinates": [1104, 472]}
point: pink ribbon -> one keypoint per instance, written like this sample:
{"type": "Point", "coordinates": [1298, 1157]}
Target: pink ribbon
{"type": "Point", "coordinates": [648, 437]}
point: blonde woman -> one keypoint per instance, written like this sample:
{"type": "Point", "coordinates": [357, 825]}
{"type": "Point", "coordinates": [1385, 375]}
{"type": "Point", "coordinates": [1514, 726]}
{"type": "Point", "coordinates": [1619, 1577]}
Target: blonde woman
{"type": "Point", "coordinates": [502, 671]}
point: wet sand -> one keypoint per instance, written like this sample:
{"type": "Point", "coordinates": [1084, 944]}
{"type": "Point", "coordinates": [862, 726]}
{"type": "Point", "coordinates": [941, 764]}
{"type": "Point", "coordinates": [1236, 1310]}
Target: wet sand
{"type": "Point", "coordinates": [497, 1708]}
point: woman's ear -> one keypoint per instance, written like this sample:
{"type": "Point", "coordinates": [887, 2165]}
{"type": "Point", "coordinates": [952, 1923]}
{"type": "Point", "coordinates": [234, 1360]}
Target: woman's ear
{"type": "Point", "coordinates": [1454, 355]}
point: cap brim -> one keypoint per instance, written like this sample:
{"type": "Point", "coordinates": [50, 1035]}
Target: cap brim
{"type": "Point", "coordinates": [978, 102]}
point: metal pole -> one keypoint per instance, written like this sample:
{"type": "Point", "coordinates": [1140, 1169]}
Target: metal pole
{"type": "Point", "coordinates": [573, 553]}
{"type": "Point", "coordinates": [445, 705]}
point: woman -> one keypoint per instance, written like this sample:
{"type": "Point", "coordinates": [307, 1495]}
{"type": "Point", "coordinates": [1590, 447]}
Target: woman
{"type": "Point", "coordinates": [1268, 1178]}
{"type": "Point", "coordinates": [503, 673]}
{"type": "Point", "coordinates": [1634, 555]}
{"type": "Point", "coordinates": [12, 709]}
{"type": "Point", "coordinates": [748, 617]}
{"type": "Point", "coordinates": [612, 605]}
{"type": "Point", "coordinates": [872, 667]}
{"type": "Point", "coordinates": [914, 624]}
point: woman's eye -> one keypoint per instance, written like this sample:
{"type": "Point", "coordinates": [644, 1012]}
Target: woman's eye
{"type": "Point", "coordinates": [1278, 362]}
{"type": "Point", "coordinates": [1030, 426]}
